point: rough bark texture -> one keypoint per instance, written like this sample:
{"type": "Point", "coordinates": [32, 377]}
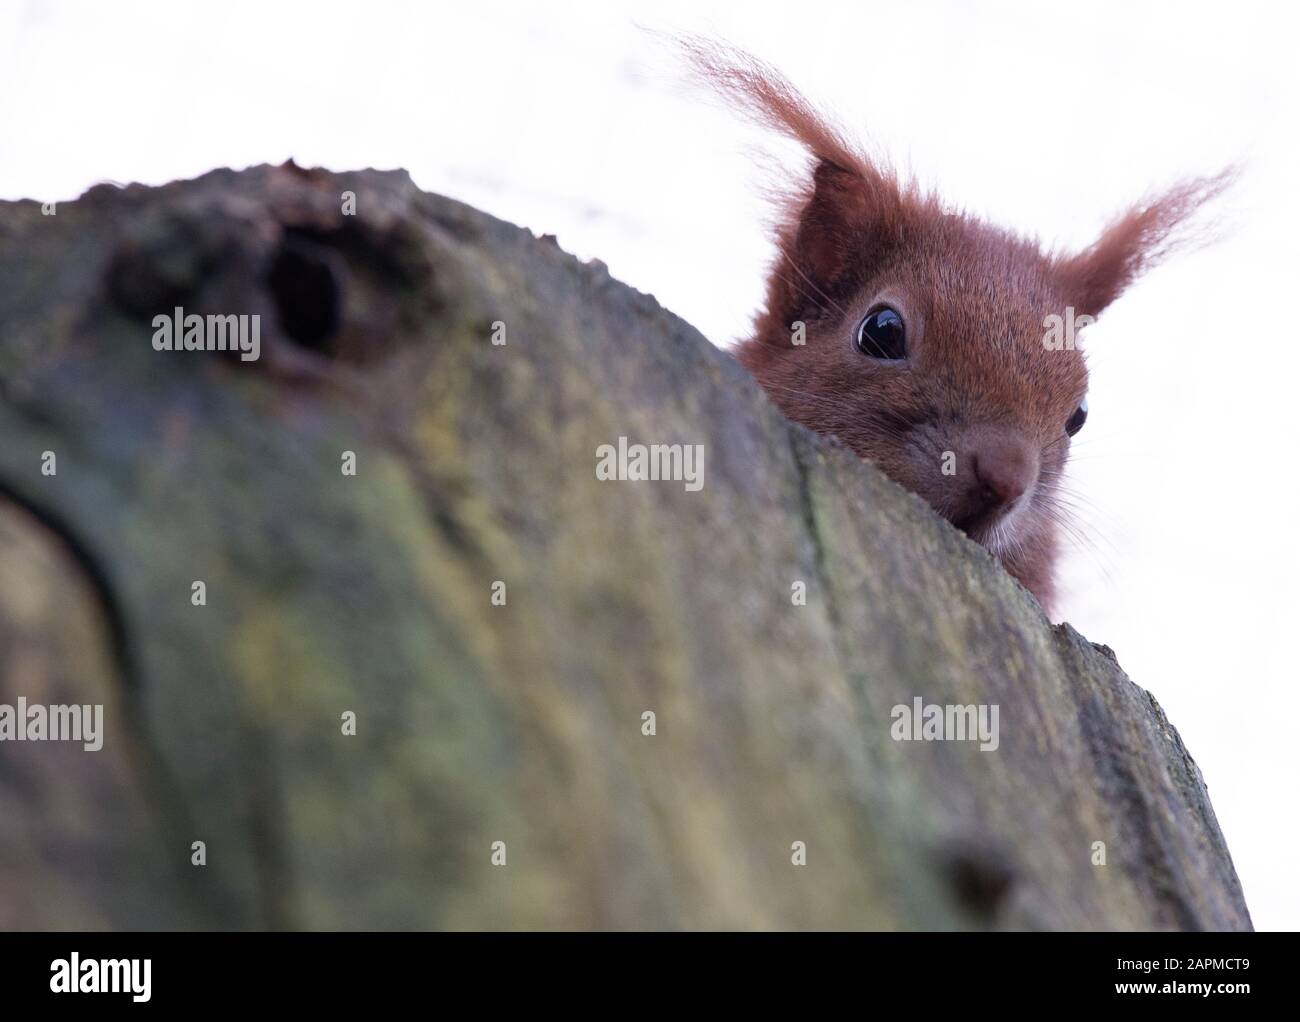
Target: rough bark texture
{"type": "Point", "coordinates": [521, 723]}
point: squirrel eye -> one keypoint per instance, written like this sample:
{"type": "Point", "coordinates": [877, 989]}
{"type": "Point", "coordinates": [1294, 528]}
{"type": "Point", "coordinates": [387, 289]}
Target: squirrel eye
{"type": "Point", "coordinates": [1075, 422]}
{"type": "Point", "coordinates": [882, 335]}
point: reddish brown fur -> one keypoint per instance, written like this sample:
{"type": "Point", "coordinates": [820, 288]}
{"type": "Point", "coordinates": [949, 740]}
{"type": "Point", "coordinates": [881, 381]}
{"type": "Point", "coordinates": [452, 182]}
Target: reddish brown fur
{"type": "Point", "coordinates": [978, 380]}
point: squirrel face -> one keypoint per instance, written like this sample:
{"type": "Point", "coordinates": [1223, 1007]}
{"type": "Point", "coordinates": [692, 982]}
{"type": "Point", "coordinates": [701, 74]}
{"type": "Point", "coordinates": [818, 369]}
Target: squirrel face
{"type": "Point", "coordinates": [936, 364]}
{"type": "Point", "coordinates": [939, 347]}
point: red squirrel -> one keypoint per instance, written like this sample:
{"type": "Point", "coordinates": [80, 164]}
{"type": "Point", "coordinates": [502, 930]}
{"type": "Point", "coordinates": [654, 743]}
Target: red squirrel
{"type": "Point", "coordinates": [927, 341]}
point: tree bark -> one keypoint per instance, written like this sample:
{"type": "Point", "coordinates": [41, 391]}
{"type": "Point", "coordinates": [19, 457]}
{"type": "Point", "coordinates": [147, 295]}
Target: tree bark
{"type": "Point", "coordinates": [771, 620]}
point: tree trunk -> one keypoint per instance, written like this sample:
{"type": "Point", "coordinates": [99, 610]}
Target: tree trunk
{"type": "Point", "coordinates": [501, 621]}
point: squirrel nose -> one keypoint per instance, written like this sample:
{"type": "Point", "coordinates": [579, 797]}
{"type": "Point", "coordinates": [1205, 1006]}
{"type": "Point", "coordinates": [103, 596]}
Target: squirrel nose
{"type": "Point", "coordinates": [1003, 470]}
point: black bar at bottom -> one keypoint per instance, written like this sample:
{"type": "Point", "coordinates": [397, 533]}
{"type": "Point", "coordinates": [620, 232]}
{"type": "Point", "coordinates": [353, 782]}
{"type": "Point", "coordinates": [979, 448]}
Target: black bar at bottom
{"type": "Point", "coordinates": [612, 972]}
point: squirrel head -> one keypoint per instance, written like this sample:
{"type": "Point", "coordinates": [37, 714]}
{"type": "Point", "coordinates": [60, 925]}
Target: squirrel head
{"type": "Point", "coordinates": [941, 348]}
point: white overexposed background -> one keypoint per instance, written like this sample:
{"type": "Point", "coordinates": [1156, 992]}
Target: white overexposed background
{"type": "Point", "coordinates": [1048, 118]}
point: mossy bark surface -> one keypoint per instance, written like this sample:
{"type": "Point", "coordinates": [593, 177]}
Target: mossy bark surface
{"type": "Point", "coordinates": [477, 723]}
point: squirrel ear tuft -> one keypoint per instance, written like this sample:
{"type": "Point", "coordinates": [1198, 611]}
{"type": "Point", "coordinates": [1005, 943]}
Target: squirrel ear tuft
{"type": "Point", "coordinates": [765, 96]}
{"type": "Point", "coordinates": [852, 205]}
{"type": "Point", "coordinates": [1138, 240]}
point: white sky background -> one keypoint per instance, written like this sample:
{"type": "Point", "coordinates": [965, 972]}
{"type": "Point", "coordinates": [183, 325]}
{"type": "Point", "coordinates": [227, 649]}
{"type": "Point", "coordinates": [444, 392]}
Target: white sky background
{"type": "Point", "coordinates": [1047, 118]}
